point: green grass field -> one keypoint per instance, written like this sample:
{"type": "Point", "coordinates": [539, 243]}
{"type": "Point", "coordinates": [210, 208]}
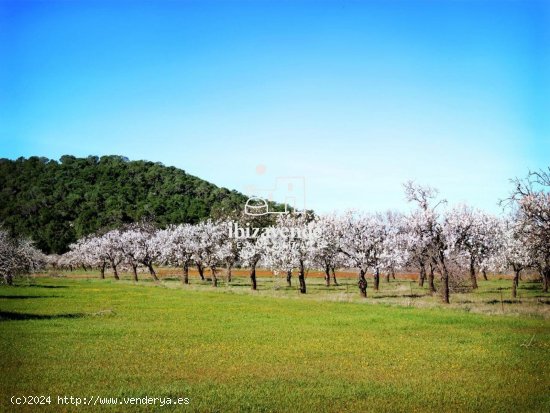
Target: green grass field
{"type": "Point", "coordinates": [230, 349]}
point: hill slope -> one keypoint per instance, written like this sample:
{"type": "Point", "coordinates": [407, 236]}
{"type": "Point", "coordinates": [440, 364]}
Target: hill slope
{"type": "Point", "coordinates": [57, 202]}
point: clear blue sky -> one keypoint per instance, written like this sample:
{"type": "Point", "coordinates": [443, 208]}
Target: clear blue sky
{"type": "Point", "coordinates": [355, 96]}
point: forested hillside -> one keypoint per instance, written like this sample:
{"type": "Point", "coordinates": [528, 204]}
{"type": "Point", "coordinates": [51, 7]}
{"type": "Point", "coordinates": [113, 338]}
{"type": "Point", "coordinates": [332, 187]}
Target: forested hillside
{"type": "Point", "coordinates": [57, 202]}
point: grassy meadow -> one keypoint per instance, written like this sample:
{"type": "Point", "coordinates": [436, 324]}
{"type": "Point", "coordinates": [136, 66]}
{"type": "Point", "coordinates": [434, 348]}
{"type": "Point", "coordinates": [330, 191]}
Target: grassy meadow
{"type": "Point", "coordinates": [230, 349]}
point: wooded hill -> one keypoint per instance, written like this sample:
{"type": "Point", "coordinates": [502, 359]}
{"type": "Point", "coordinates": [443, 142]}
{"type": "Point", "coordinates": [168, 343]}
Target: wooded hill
{"type": "Point", "coordinates": [57, 202]}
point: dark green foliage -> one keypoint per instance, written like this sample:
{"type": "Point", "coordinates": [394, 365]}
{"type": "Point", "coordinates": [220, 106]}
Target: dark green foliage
{"type": "Point", "coordinates": [55, 203]}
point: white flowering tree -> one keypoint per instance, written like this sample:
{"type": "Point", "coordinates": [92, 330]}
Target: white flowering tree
{"type": "Point", "coordinates": [290, 244]}
{"type": "Point", "coordinates": [209, 253]}
{"type": "Point", "coordinates": [474, 236]}
{"type": "Point", "coordinates": [430, 234]}
{"type": "Point", "coordinates": [419, 227]}
{"type": "Point", "coordinates": [514, 252]}
{"type": "Point", "coordinates": [110, 246]}
{"type": "Point", "coordinates": [17, 257]}
{"type": "Point", "coordinates": [326, 246]}
{"type": "Point", "coordinates": [230, 250]}
{"type": "Point", "coordinates": [531, 201]}
{"type": "Point", "coordinates": [362, 237]}
{"type": "Point", "coordinates": [252, 251]}
{"type": "Point", "coordinates": [395, 253]}
{"type": "Point", "coordinates": [130, 252]}
{"type": "Point", "coordinates": [93, 252]}
{"type": "Point", "coordinates": [139, 245]}
{"type": "Point", "coordinates": [177, 247]}
{"type": "Point", "coordinates": [280, 254]}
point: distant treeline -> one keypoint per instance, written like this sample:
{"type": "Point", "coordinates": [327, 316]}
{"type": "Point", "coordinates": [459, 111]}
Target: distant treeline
{"type": "Point", "coordinates": [57, 202]}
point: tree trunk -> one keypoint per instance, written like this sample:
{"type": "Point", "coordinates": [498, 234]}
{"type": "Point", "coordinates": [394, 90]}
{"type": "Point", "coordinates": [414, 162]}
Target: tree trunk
{"type": "Point", "coordinates": [444, 280]}
{"type": "Point", "coordinates": [545, 279]}
{"type": "Point", "coordinates": [388, 277]}
{"type": "Point", "coordinates": [253, 284]}
{"type": "Point", "coordinates": [473, 274]}
{"type": "Point", "coordinates": [362, 283]}
{"type": "Point", "coordinates": [152, 271]}
{"type": "Point", "coordinates": [200, 269]}
{"type": "Point", "coordinates": [393, 273]}
{"type": "Point", "coordinates": [185, 274]}
{"type": "Point", "coordinates": [229, 272]}
{"type": "Point", "coordinates": [431, 279]}
{"type": "Point", "coordinates": [289, 278]}
{"type": "Point", "coordinates": [302, 278]}
{"type": "Point", "coordinates": [334, 276]}
{"type": "Point", "coordinates": [8, 278]}
{"type": "Point", "coordinates": [376, 279]}
{"type": "Point", "coordinates": [102, 270]}
{"type": "Point", "coordinates": [115, 272]}
{"type": "Point", "coordinates": [515, 283]}
{"type": "Point", "coordinates": [134, 270]}
{"type": "Point", "coordinates": [214, 278]}
{"type": "Point", "coordinates": [484, 273]}
{"type": "Point", "coordinates": [327, 276]}
{"type": "Point", "coordinates": [422, 275]}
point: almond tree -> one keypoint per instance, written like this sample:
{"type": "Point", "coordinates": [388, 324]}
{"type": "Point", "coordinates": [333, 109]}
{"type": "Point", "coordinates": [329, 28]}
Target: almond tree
{"type": "Point", "coordinates": [514, 252]}
{"type": "Point", "coordinates": [395, 253]}
{"type": "Point", "coordinates": [140, 245]}
{"type": "Point", "coordinates": [130, 252]}
{"type": "Point", "coordinates": [531, 200]}
{"type": "Point", "coordinates": [290, 242]}
{"type": "Point", "coordinates": [419, 245]}
{"type": "Point", "coordinates": [110, 246]}
{"type": "Point", "coordinates": [68, 260]}
{"type": "Point", "coordinates": [362, 244]}
{"type": "Point", "coordinates": [177, 247]}
{"type": "Point", "coordinates": [430, 232]}
{"type": "Point", "coordinates": [18, 256]}
{"type": "Point", "coordinates": [280, 255]}
{"type": "Point", "coordinates": [86, 252]}
{"type": "Point", "coordinates": [209, 253]}
{"type": "Point", "coordinates": [252, 251]}
{"type": "Point", "coordinates": [326, 246]}
{"type": "Point", "coordinates": [230, 249]}
{"type": "Point", "coordinates": [93, 253]}
{"type": "Point", "coordinates": [475, 234]}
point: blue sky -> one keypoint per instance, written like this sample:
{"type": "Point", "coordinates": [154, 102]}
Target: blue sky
{"type": "Point", "coordinates": [357, 97]}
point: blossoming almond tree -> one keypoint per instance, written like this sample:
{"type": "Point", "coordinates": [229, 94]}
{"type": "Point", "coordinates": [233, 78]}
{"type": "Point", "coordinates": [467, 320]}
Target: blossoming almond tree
{"type": "Point", "coordinates": [395, 253]}
{"type": "Point", "coordinates": [210, 236]}
{"type": "Point", "coordinates": [513, 252]}
{"type": "Point", "coordinates": [230, 250]}
{"type": "Point", "coordinates": [362, 237]}
{"type": "Point", "coordinates": [177, 247]}
{"type": "Point", "coordinates": [430, 232]}
{"type": "Point", "coordinates": [291, 243]}
{"type": "Point", "coordinates": [140, 245]}
{"type": "Point", "coordinates": [18, 256]}
{"type": "Point", "coordinates": [110, 245]}
{"type": "Point", "coordinates": [419, 243]}
{"type": "Point", "coordinates": [531, 199]}
{"type": "Point", "coordinates": [326, 246]}
{"type": "Point", "coordinates": [93, 251]}
{"type": "Point", "coordinates": [252, 251]}
{"type": "Point", "coordinates": [474, 235]}
{"type": "Point", "coordinates": [280, 255]}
